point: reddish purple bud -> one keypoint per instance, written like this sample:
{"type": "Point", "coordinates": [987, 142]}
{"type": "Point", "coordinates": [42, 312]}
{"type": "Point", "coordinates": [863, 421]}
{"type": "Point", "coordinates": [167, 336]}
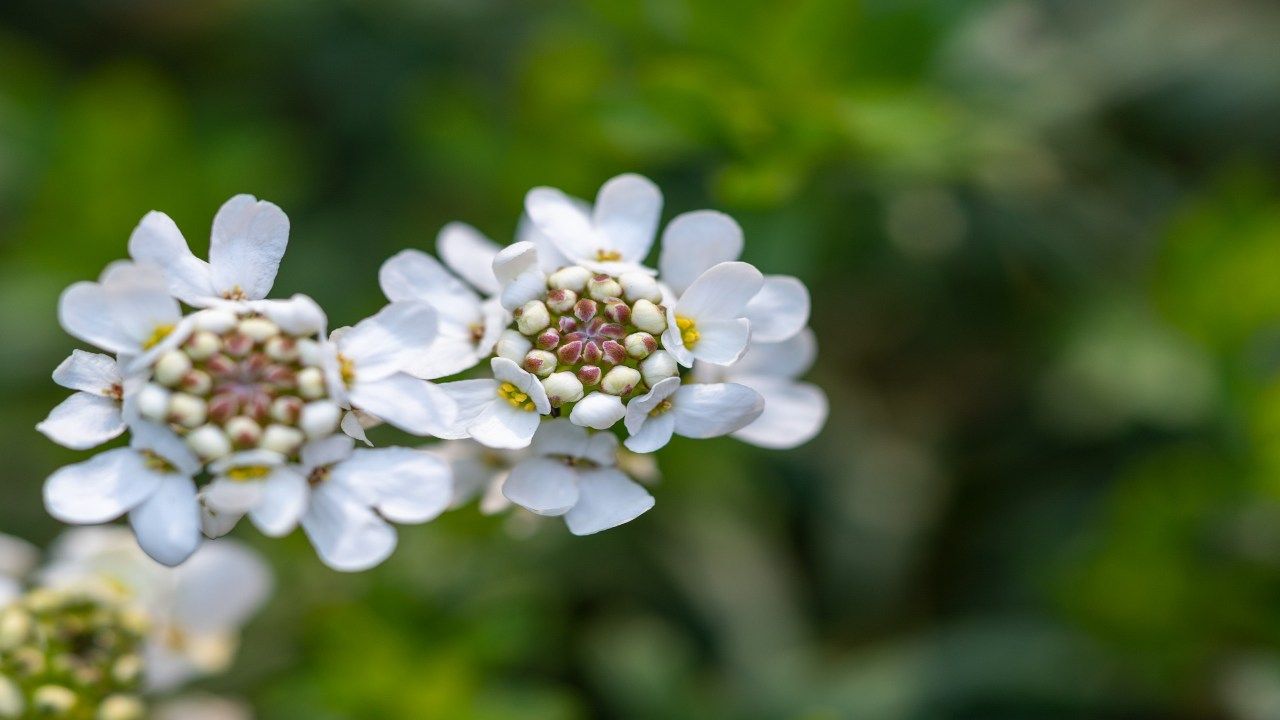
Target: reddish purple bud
{"type": "Point", "coordinates": [532, 363]}
{"type": "Point", "coordinates": [237, 345]}
{"type": "Point", "coordinates": [617, 311]}
{"type": "Point", "coordinates": [585, 309]}
{"type": "Point", "coordinates": [567, 324]}
{"type": "Point", "coordinates": [591, 352]}
{"type": "Point", "coordinates": [614, 352]}
{"type": "Point", "coordinates": [258, 406]}
{"type": "Point", "coordinates": [589, 375]}
{"type": "Point", "coordinates": [220, 365]}
{"type": "Point", "coordinates": [617, 332]}
{"type": "Point", "coordinates": [223, 407]}
{"type": "Point", "coordinates": [280, 376]}
{"type": "Point", "coordinates": [570, 352]}
{"type": "Point", "coordinates": [548, 339]}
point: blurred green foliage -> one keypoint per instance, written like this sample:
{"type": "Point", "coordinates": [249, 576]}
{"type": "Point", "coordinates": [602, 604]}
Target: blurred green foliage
{"type": "Point", "coordinates": [1042, 239]}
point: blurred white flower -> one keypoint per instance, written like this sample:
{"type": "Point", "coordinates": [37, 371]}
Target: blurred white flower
{"type": "Point", "coordinates": [202, 707]}
{"type": "Point", "coordinates": [17, 557]}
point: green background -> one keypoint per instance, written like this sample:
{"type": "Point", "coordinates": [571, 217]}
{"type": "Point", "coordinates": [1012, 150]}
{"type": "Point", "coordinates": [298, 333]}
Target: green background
{"type": "Point", "coordinates": [1043, 240]}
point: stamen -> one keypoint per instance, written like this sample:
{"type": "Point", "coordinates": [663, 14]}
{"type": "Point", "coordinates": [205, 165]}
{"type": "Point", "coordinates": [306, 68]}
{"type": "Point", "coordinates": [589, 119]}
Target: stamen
{"type": "Point", "coordinates": [515, 397]}
{"type": "Point", "coordinates": [663, 408]}
{"type": "Point", "coordinates": [157, 336]}
{"type": "Point", "coordinates": [688, 331]}
{"type": "Point", "coordinates": [249, 472]}
{"type": "Point", "coordinates": [608, 256]}
{"type": "Point", "coordinates": [347, 369]}
{"type": "Point", "coordinates": [157, 463]}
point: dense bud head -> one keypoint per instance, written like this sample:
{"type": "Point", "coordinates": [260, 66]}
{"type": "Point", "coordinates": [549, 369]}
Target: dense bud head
{"type": "Point", "coordinates": [532, 317]}
{"type": "Point", "coordinates": [620, 380]}
{"type": "Point", "coordinates": [603, 287]}
{"type": "Point", "coordinates": [563, 387]}
{"type": "Point", "coordinates": [548, 339]}
{"type": "Point", "coordinates": [617, 312]}
{"type": "Point", "coordinates": [539, 362]}
{"type": "Point", "coordinates": [640, 286]}
{"type": "Point", "coordinates": [649, 317]}
{"type": "Point", "coordinates": [589, 375]}
{"type": "Point", "coordinates": [585, 310]}
{"type": "Point", "coordinates": [570, 278]}
{"type": "Point", "coordinates": [171, 367]}
{"type": "Point", "coordinates": [512, 346]}
{"type": "Point", "coordinates": [640, 345]}
{"type": "Point", "coordinates": [561, 301]}
{"type": "Point", "coordinates": [658, 367]}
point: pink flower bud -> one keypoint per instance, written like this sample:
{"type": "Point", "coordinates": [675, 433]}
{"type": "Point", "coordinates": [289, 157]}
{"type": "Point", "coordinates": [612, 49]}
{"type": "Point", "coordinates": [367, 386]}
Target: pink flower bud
{"type": "Point", "coordinates": [591, 352]}
{"type": "Point", "coordinates": [618, 312]}
{"type": "Point", "coordinates": [585, 309]}
{"type": "Point", "coordinates": [548, 339]}
{"type": "Point", "coordinates": [603, 287]}
{"type": "Point", "coordinates": [614, 352]}
{"type": "Point", "coordinates": [237, 345]}
{"type": "Point", "coordinates": [539, 362]}
{"type": "Point", "coordinates": [561, 301]}
{"type": "Point", "coordinates": [589, 375]}
{"type": "Point", "coordinates": [570, 352]}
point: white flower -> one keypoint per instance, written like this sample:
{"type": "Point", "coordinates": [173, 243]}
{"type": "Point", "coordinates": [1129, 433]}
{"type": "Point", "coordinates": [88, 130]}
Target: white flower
{"type": "Point", "coordinates": [127, 312]}
{"type": "Point", "coordinates": [368, 371]}
{"type": "Point", "coordinates": [503, 412]}
{"type": "Point", "coordinates": [245, 246]}
{"type": "Point", "coordinates": [151, 480]}
{"type": "Point", "coordinates": [202, 707]}
{"type": "Point", "coordinates": [695, 242]}
{"type": "Point", "coordinates": [194, 612]}
{"type": "Point", "coordinates": [480, 470]}
{"type": "Point", "coordinates": [692, 411]}
{"type": "Point", "coordinates": [469, 254]}
{"type": "Point", "coordinates": [709, 321]}
{"type": "Point", "coordinates": [260, 483]}
{"type": "Point", "coordinates": [90, 416]}
{"type": "Point", "coordinates": [794, 412]}
{"type": "Point", "coordinates": [468, 326]}
{"type": "Point", "coordinates": [612, 237]}
{"type": "Point", "coordinates": [17, 557]}
{"type": "Point", "coordinates": [575, 475]}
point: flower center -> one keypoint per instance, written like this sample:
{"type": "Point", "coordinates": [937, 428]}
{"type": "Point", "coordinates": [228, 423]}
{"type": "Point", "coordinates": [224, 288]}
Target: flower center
{"type": "Point", "coordinates": [662, 409]}
{"type": "Point", "coordinates": [608, 255]}
{"type": "Point", "coordinates": [157, 336]}
{"type": "Point", "coordinates": [318, 476]}
{"type": "Point", "coordinates": [347, 369]}
{"type": "Point", "coordinates": [156, 463]}
{"type": "Point", "coordinates": [248, 472]}
{"type": "Point", "coordinates": [515, 397]}
{"type": "Point", "coordinates": [688, 331]}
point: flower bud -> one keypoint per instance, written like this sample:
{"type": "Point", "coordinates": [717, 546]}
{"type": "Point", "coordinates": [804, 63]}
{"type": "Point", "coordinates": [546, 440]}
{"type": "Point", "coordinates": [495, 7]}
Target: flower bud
{"type": "Point", "coordinates": [237, 345]}
{"type": "Point", "coordinates": [620, 380]}
{"type": "Point", "coordinates": [310, 352]}
{"type": "Point", "coordinates": [171, 367]}
{"type": "Point", "coordinates": [122, 707]}
{"type": "Point", "coordinates": [585, 309]}
{"type": "Point", "coordinates": [244, 431]}
{"type": "Point", "coordinates": [614, 352]}
{"type": "Point", "coordinates": [602, 287]}
{"type": "Point", "coordinates": [311, 383]}
{"type": "Point", "coordinates": [640, 345]}
{"type": "Point", "coordinates": [259, 329]}
{"type": "Point", "coordinates": [282, 348]}
{"type": "Point", "coordinates": [209, 442]}
{"type": "Point", "coordinates": [640, 286]}
{"type": "Point", "coordinates": [512, 346]}
{"type": "Point", "coordinates": [320, 418]}
{"type": "Point", "coordinates": [202, 345]}
{"type": "Point", "coordinates": [187, 410]}
{"type": "Point", "coordinates": [539, 362]}
{"type": "Point", "coordinates": [53, 700]}
{"type": "Point", "coordinates": [548, 339]}
{"type": "Point", "coordinates": [532, 317]}
{"type": "Point", "coordinates": [127, 669]}
{"type": "Point", "coordinates": [617, 312]}
{"type": "Point", "coordinates": [563, 387]}
{"type": "Point", "coordinates": [282, 439]}
{"type": "Point", "coordinates": [572, 278]}
{"type": "Point", "coordinates": [216, 321]}
{"type": "Point", "coordinates": [658, 367]}
{"type": "Point", "coordinates": [153, 402]}
{"type": "Point", "coordinates": [561, 301]}
{"type": "Point", "coordinates": [286, 409]}
{"type": "Point", "coordinates": [591, 352]}
{"type": "Point", "coordinates": [15, 626]}
{"type": "Point", "coordinates": [570, 352]}
{"type": "Point", "coordinates": [197, 382]}
{"type": "Point", "coordinates": [589, 375]}
{"type": "Point", "coordinates": [648, 317]}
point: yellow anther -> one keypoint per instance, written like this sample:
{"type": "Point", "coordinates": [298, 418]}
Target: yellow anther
{"type": "Point", "coordinates": [157, 335]}
{"type": "Point", "coordinates": [690, 338]}
{"type": "Point", "coordinates": [347, 369]}
{"type": "Point", "coordinates": [529, 406]}
{"type": "Point", "coordinates": [662, 408]}
{"type": "Point", "coordinates": [157, 463]}
{"type": "Point", "coordinates": [508, 387]}
{"type": "Point", "coordinates": [515, 397]}
{"type": "Point", "coordinates": [249, 472]}
{"type": "Point", "coordinates": [520, 397]}
{"type": "Point", "coordinates": [608, 256]}
{"type": "Point", "coordinates": [688, 330]}
{"type": "Point", "coordinates": [683, 323]}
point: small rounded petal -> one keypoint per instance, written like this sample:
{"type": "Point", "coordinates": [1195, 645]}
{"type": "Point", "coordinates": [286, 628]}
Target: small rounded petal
{"type": "Point", "coordinates": [711, 410]}
{"type": "Point", "coordinates": [779, 310]}
{"type": "Point", "coordinates": [539, 362]}
{"type": "Point", "coordinates": [603, 287]}
{"type": "Point", "coordinates": [542, 486]}
{"type": "Point", "coordinates": [319, 418]}
{"type": "Point", "coordinates": [598, 410]}
{"type": "Point", "coordinates": [721, 293]}
{"type": "Point", "coordinates": [83, 421]}
{"type": "Point", "coordinates": [167, 523]}
{"type": "Point", "coordinates": [102, 488]}
{"type": "Point", "coordinates": [640, 345]}
{"type": "Point", "coordinates": [607, 498]}
{"type": "Point", "coordinates": [196, 382]}
{"type": "Point", "coordinates": [282, 503]}
{"type": "Point", "coordinates": [248, 239]}
{"type": "Point", "coordinates": [87, 372]}
{"type": "Point", "coordinates": [282, 439]}
{"type": "Point", "coordinates": [563, 387]}
{"type": "Point", "coordinates": [413, 405]}
{"type": "Point", "coordinates": [620, 380]}
{"type": "Point", "coordinates": [158, 241]}
{"type": "Point", "coordinates": [648, 317]}
{"type": "Point", "coordinates": [172, 367]}
{"type": "Point", "coordinates": [640, 286]}
{"type": "Point", "coordinates": [347, 534]}
{"type": "Point", "coordinates": [532, 317]}
{"type": "Point", "coordinates": [573, 278]}
{"type": "Point", "coordinates": [512, 346]}
{"type": "Point", "coordinates": [209, 442]}
{"type": "Point", "coordinates": [793, 413]}
{"type": "Point", "coordinates": [404, 485]}
{"type": "Point", "coordinates": [389, 341]}
{"type": "Point", "coordinates": [658, 367]}
{"type": "Point", "coordinates": [469, 254]}
{"type": "Point", "coordinates": [693, 243]}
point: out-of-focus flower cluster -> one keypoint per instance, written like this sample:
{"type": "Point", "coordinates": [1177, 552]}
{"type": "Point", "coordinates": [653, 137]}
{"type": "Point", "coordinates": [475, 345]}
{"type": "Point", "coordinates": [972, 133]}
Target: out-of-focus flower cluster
{"type": "Point", "coordinates": [100, 629]}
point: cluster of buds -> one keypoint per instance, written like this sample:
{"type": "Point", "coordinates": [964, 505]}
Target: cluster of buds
{"type": "Point", "coordinates": [592, 331]}
{"type": "Point", "coordinates": [70, 655]}
{"type": "Point", "coordinates": [240, 382]}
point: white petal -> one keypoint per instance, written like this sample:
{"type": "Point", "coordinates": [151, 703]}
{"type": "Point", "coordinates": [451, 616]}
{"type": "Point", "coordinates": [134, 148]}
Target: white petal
{"type": "Point", "coordinates": [527, 286]}
{"type": "Point", "coordinates": [235, 497]}
{"type": "Point", "coordinates": [694, 243]}
{"type": "Point", "coordinates": [88, 372]}
{"type": "Point", "coordinates": [542, 486]}
{"type": "Point", "coordinates": [282, 503]}
{"type": "Point", "coordinates": [793, 413]}
{"type": "Point", "coordinates": [652, 434]}
{"type": "Point", "coordinates": [164, 442]}
{"type": "Point", "coordinates": [139, 301]}
{"type": "Point", "coordinates": [215, 523]}
{"type": "Point", "coordinates": [299, 315]}
{"type": "Point", "coordinates": [501, 426]}
{"type": "Point", "coordinates": [515, 260]}
{"type": "Point", "coordinates": [550, 259]}
{"type": "Point", "coordinates": [505, 370]}
{"type": "Point", "coordinates": [720, 293]}
{"type": "Point", "coordinates": [248, 239]}
{"type": "Point", "coordinates": [220, 587]}
{"type": "Point", "coordinates": [168, 522]}
{"type": "Point", "coordinates": [83, 421]}
{"type": "Point", "coordinates": [564, 220]}
{"type": "Point", "coordinates": [721, 342]}
{"type": "Point", "coordinates": [563, 438]}
{"type": "Point", "coordinates": [469, 254]}
{"type": "Point", "coordinates": [352, 426]}
{"type": "Point", "coordinates": [606, 498]}
{"type": "Point", "coordinates": [598, 410]}
{"type": "Point", "coordinates": [789, 359]}
{"type": "Point", "coordinates": [626, 215]}
{"type": "Point", "coordinates": [413, 405]}
{"type": "Point", "coordinates": [389, 341]}
{"type": "Point", "coordinates": [453, 351]}
{"type": "Point", "coordinates": [102, 488]}
{"type": "Point", "coordinates": [639, 408]}
{"type": "Point", "coordinates": [405, 485]}
{"type": "Point", "coordinates": [85, 313]}
{"type": "Point", "coordinates": [779, 310]}
{"type": "Point", "coordinates": [707, 411]}
{"type": "Point", "coordinates": [158, 241]}
{"type": "Point", "coordinates": [347, 534]}
{"type": "Point", "coordinates": [327, 451]}
{"type": "Point", "coordinates": [471, 397]}
{"type": "Point", "coordinates": [415, 275]}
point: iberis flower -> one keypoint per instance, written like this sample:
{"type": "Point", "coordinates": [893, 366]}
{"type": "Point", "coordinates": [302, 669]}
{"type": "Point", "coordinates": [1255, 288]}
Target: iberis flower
{"type": "Point", "coordinates": [228, 405]}
{"type": "Point", "coordinates": [576, 332]}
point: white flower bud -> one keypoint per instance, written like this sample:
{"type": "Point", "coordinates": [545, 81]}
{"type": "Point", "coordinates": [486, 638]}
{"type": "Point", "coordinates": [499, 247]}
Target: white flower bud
{"type": "Point", "coordinates": [15, 625]}
{"type": "Point", "coordinates": [603, 287]}
{"type": "Point", "coordinates": [563, 387]}
{"type": "Point", "coordinates": [561, 301]}
{"type": "Point", "coordinates": [258, 328]}
{"type": "Point", "coordinates": [640, 286]}
{"type": "Point", "coordinates": [153, 402]}
{"type": "Point", "coordinates": [512, 346]}
{"type": "Point", "coordinates": [658, 367]}
{"type": "Point", "coordinates": [620, 380]}
{"type": "Point", "coordinates": [244, 431]}
{"type": "Point", "coordinates": [197, 382]}
{"type": "Point", "coordinates": [127, 669]}
{"type": "Point", "coordinates": [187, 410]}
{"type": "Point", "coordinates": [282, 439]}
{"type": "Point", "coordinates": [572, 278]}
{"type": "Point", "coordinates": [640, 345]}
{"type": "Point", "coordinates": [539, 362]}
{"type": "Point", "coordinates": [286, 410]}
{"type": "Point", "coordinates": [53, 700]}
{"type": "Point", "coordinates": [122, 707]}
{"type": "Point", "coordinates": [216, 321]}
{"type": "Point", "coordinates": [209, 442]}
{"type": "Point", "coordinates": [202, 345]}
{"type": "Point", "coordinates": [171, 367]}
{"type": "Point", "coordinates": [282, 348]}
{"type": "Point", "coordinates": [311, 383]}
{"type": "Point", "coordinates": [319, 419]}
{"type": "Point", "coordinates": [11, 704]}
{"type": "Point", "coordinates": [310, 352]}
{"type": "Point", "coordinates": [648, 317]}
{"type": "Point", "coordinates": [532, 317]}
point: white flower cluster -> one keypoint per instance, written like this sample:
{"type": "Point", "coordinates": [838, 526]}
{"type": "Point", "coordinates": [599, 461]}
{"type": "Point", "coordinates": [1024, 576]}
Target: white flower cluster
{"type": "Point", "coordinates": [245, 406]}
{"type": "Point", "coordinates": [100, 626]}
